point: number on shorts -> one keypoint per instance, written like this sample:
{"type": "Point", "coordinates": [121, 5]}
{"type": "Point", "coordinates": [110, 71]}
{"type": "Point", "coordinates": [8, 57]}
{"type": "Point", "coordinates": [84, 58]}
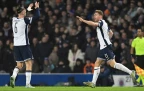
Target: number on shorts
{"type": "Point", "coordinates": [106, 56]}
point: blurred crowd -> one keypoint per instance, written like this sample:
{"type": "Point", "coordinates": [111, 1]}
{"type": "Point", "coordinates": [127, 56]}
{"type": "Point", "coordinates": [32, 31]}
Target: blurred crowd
{"type": "Point", "coordinates": [62, 44]}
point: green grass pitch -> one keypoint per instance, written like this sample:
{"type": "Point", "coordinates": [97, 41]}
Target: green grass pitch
{"type": "Point", "coordinates": [72, 89]}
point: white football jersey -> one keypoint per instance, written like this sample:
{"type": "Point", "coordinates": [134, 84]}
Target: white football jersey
{"type": "Point", "coordinates": [103, 34]}
{"type": "Point", "coordinates": [20, 30]}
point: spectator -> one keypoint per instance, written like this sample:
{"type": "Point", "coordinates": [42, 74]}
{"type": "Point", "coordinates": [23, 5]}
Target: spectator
{"type": "Point", "coordinates": [34, 48]}
{"type": "Point", "coordinates": [49, 27]}
{"type": "Point", "coordinates": [8, 59]}
{"type": "Point", "coordinates": [2, 37]}
{"type": "Point", "coordinates": [62, 68]}
{"type": "Point", "coordinates": [40, 33]}
{"type": "Point", "coordinates": [116, 50]}
{"type": "Point", "coordinates": [78, 68]}
{"type": "Point", "coordinates": [14, 10]}
{"type": "Point", "coordinates": [89, 66]}
{"type": "Point", "coordinates": [86, 44]}
{"type": "Point", "coordinates": [7, 31]}
{"type": "Point", "coordinates": [4, 17]}
{"type": "Point", "coordinates": [91, 51]}
{"type": "Point", "coordinates": [48, 66]}
{"type": "Point", "coordinates": [79, 10]}
{"type": "Point", "coordinates": [63, 38]}
{"type": "Point", "coordinates": [53, 58]}
{"type": "Point", "coordinates": [35, 66]}
{"type": "Point", "coordinates": [73, 38]}
{"type": "Point", "coordinates": [133, 10]}
{"type": "Point", "coordinates": [7, 45]}
{"type": "Point", "coordinates": [58, 42]}
{"type": "Point", "coordinates": [125, 54]}
{"type": "Point", "coordinates": [61, 31]}
{"type": "Point", "coordinates": [124, 38]}
{"type": "Point", "coordinates": [63, 52]}
{"type": "Point", "coordinates": [43, 49]}
{"type": "Point", "coordinates": [126, 57]}
{"type": "Point", "coordinates": [56, 32]}
{"type": "Point", "coordinates": [1, 53]}
{"type": "Point", "coordinates": [73, 55]}
{"type": "Point", "coordinates": [63, 18]}
{"type": "Point", "coordinates": [87, 32]}
{"type": "Point", "coordinates": [104, 78]}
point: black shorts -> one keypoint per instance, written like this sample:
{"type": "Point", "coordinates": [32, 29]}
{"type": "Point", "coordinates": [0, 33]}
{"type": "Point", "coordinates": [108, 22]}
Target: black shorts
{"type": "Point", "coordinates": [140, 61]}
{"type": "Point", "coordinates": [106, 53]}
{"type": "Point", "coordinates": [22, 53]}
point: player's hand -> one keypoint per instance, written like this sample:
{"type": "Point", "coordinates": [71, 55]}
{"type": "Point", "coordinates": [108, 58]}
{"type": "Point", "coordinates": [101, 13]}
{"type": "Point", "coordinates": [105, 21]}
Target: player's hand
{"type": "Point", "coordinates": [81, 19]}
{"type": "Point", "coordinates": [30, 7]}
{"type": "Point", "coordinates": [36, 5]}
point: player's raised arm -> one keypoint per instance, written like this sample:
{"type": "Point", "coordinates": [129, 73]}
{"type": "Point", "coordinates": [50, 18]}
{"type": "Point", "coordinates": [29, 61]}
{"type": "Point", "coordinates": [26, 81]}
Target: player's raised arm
{"type": "Point", "coordinates": [36, 14]}
{"type": "Point", "coordinates": [91, 23]}
{"type": "Point", "coordinates": [30, 7]}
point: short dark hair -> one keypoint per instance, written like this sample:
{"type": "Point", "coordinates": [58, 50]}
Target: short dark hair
{"type": "Point", "coordinates": [99, 12]}
{"type": "Point", "coordinates": [142, 30]}
{"type": "Point", "coordinates": [20, 9]}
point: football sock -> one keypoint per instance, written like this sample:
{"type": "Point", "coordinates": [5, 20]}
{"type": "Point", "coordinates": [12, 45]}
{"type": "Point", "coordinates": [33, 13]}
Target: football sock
{"type": "Point", "coordinates": [28, 76]}
{"type": "Point", "coordinates": [95, 74]}
{"type": "Point", "coordinates": [122, 68]}
{"type": "Point", "coordinates": [15, 72]}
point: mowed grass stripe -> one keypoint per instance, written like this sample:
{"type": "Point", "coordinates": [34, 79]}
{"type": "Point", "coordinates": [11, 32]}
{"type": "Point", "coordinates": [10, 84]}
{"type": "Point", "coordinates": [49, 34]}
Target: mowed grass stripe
{"type": "Point", "coordinates": [47, 88]}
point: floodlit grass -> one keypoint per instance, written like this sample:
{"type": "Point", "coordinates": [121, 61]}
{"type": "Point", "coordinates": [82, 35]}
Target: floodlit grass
{"type": "Point", "coordinates": [47, 88]}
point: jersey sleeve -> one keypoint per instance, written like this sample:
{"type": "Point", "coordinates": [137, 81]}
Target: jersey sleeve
{"type": "Point", "coordinates": [133, 43]}
{"type": "Point", "coordinates": [31, 19]}
{"type": "Point", "coordinates": [27, 20]}
{"type": "Point", "coordinates": [36, 15]}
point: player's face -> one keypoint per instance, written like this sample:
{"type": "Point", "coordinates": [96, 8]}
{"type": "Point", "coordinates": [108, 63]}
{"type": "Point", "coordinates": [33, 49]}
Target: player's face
{"type": "Point", "coordinates": [23, 12]}
{"type": "Point", "coordinates": [96, 17]}
{"type": "Point", "coordinates": [139, 32]}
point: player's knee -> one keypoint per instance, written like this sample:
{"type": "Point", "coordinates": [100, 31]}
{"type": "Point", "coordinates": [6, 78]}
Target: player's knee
{"type": "Point", "coordinates": [111, 63]}
{"type": "Point", "coordinates": [20, 65]}
{"type": "Point", "coordinates": [97, 63]}
{"type": "Point", "coordinates": [28, 63]}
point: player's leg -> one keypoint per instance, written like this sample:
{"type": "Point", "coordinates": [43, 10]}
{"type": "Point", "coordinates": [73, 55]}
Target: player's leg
{"type": "Point", "coordinates": [95, 74]}
{"type": "Point", "coordinates": [28, 72]}
{"type": "Point", "coordinates": [17, 68]}
{"type": "Point", "coordinates": [27, 56]}
{"type": "Point", "coordinates": [96, 70]}
{"type": "Point", "coordinates": [19, 65]}
{"type": "Point", "coordinates": [121, 67]}
{"type": "Point", "coordinates": [15, 72]}
{"type": "Point", "coordinates": [98, 62]}
{"type": "Point", "coordinates": [109, 55]}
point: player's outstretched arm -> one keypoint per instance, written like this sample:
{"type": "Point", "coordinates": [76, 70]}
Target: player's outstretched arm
{"type": "Point", "coordinates": [37, 12]}
{"type": "Point", "coordinates": [91, 23]}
